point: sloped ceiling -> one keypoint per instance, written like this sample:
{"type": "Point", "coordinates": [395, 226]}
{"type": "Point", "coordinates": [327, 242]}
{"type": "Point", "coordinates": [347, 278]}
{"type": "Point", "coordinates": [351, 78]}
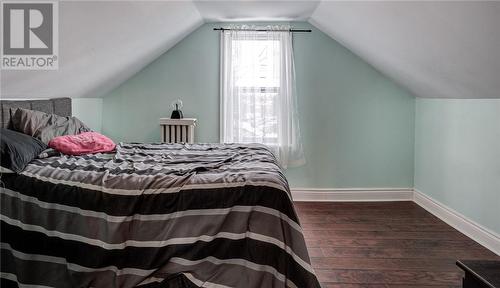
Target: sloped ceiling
{"type": "Point", "coordinates": [434, 49]}
{"type": "Point", "coordinates": [446, 49]}
{"type": "Point", "coordinates": [102, 44]}
{"type": "Point", "coordinates": [241, 10]}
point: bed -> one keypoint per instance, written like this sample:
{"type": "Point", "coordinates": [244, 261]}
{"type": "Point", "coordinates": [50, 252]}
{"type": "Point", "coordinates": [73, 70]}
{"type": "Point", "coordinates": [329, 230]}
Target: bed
{"type": "Point", "coordinates": [151, 215]}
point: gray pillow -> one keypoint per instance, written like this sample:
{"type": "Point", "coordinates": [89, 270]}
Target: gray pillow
{"type": "Point", "coordinates": [45, 126]}
{"type": "Point", "coordinates": [18, 149]}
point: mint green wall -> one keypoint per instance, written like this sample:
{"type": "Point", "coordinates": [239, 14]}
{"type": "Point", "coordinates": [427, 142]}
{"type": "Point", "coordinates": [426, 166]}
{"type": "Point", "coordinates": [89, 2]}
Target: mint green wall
{"type": "Point", "coordinates": [457, 156]}
{"type": "Point", "coordinates": [89, 110]}
{"type": "Point", "coordinates": [357, 126]}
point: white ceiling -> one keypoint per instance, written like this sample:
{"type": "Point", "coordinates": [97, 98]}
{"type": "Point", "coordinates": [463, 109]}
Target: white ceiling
{"type": "Point", "coordinates": [244, 10]}
{"type": "Point", "coordinates": [434, 49]}
{"type": "Point", "coordinates": [102, 44]}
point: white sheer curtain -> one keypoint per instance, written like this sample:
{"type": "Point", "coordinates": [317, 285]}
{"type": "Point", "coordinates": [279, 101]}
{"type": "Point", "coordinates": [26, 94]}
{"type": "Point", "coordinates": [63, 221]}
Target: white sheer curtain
{"type": "Point", "coordinates": [258, 91]}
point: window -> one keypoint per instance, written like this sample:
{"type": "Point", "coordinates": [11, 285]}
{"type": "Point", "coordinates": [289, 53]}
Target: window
{"type": "Point", "coordinates": [257, 91]}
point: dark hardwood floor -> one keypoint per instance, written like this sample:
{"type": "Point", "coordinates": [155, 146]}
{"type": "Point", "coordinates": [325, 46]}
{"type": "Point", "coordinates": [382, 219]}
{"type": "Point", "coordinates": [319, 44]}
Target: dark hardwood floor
{"type": "Point", "coordinates": [384, 244]}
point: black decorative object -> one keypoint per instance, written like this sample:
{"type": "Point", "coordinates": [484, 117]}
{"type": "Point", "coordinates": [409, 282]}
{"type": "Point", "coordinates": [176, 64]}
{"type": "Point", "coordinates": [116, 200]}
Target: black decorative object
{"type": "Point", "coordinates": [480, 273]}
{"type": "Point", "coordinates": [177, 113]}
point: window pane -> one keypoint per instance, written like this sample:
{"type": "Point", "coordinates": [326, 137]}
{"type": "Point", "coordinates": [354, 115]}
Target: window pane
{"type": "Point", "coordinates": [256, 63]}
{"type": "Point", "coordinates": [258, 120]}
{"type": "Point", "coordinates": [256, 70]}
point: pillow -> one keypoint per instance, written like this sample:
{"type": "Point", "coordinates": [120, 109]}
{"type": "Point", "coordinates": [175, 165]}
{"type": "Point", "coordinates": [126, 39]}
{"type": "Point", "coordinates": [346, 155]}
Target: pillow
{"type": "Point", "coordinates": [18, 149]}
{"type": "Point", "coordinates": [84, 143]}
{"type": "Point", "coordinates": [48, 153]}
{"type": "Point", "coordinates": [45, 126]}
{"type": "Point", "coordinates": [5, 170]}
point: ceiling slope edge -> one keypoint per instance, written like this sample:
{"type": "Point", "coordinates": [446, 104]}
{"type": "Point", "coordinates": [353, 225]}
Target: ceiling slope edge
{"type": "Point", "coordinates": [92, 64]}
{"type": "Point", "coordinates": [432, 49]}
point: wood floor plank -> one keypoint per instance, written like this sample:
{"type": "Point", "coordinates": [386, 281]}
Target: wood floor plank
{"type": "Point", "coordinates": [378, 227]}
{"type": "Point", "coordinates": [349, 234]}
{"type": "Point", "coordinates": [408, 253]}
{"type": "Point", "coordinates": [384, 264]}
{"type": "Point", "coordinates": [384, 244]}
{"type": "Point", "coordinates": [348, 285]}
{"type": "Point", "coordinates": [401, 243]}
{"type": "Point", "coordinates": [366, 219]}
{"type": "Point", "coordinates": [385, 277]}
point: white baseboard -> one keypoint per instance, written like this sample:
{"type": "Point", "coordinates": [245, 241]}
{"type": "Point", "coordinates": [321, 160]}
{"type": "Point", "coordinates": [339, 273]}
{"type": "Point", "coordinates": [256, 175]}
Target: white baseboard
{"type": "Point", "coordinates": [471, 229]}
{"type": "Point", "coordinates": [352, 194]}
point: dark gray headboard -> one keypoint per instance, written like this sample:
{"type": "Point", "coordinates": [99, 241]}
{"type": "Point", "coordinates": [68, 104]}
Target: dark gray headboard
{"type": "Point", "coordinates": [59, 106]}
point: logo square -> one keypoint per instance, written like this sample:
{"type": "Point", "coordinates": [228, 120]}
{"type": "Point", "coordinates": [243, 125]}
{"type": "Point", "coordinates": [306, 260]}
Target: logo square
{"type": "Point", "coordinates": [30, 35]}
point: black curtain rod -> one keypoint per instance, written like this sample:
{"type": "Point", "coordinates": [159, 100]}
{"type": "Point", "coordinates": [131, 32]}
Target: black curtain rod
{"type": "Point", "coordinates": [264, 30]}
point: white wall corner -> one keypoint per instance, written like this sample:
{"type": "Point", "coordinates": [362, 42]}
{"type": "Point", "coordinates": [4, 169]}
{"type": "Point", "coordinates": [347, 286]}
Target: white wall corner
{"type": "Point", "coordinates": [471, 229]}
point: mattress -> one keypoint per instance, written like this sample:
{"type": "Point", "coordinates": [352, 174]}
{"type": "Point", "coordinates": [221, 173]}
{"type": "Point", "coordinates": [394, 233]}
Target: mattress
{"type": "Point", "coordinates": [153, 215]}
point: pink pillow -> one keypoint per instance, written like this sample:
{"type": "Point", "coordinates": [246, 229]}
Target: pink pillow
{"type": "Point", "coordinates": [83, 143]}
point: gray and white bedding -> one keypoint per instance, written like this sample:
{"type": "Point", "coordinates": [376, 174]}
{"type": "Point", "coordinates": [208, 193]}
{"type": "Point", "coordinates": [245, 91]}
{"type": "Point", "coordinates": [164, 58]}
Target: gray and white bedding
{"type": "Point", "coordinates": [153, 215]}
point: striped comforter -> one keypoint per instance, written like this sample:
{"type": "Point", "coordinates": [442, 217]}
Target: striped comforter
{"type": "Point", "coordinates": [153, 215]}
